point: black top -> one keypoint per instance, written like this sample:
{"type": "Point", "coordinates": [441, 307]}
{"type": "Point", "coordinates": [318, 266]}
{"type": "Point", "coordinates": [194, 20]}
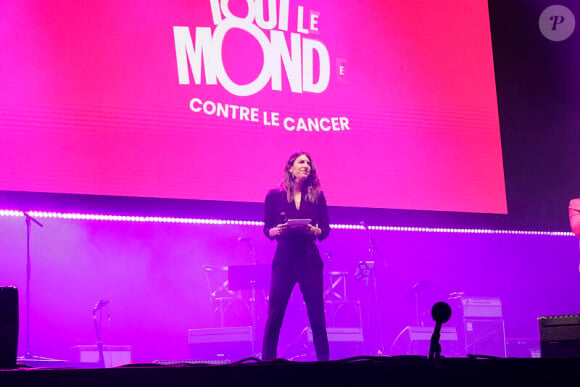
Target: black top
{"type": "Point", "coordinates": [295, 245]}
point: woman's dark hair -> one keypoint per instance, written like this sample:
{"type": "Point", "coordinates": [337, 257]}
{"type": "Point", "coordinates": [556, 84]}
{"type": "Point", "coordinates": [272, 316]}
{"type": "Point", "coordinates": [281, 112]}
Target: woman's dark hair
{"type": "Point", "coordinates": [311, 188]}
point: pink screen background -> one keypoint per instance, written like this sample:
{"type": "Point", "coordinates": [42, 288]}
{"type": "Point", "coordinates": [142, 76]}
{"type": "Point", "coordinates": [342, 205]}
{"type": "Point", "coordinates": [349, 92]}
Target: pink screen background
{"type": "Point", "coordinates": [91, 104]}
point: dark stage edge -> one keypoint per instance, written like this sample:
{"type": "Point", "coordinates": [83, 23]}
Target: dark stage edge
{"type": "Point", "coordinates": [385, 371]}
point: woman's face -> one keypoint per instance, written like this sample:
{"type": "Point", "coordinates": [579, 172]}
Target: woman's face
{"type": "Point", "coordinates": [301, 168]}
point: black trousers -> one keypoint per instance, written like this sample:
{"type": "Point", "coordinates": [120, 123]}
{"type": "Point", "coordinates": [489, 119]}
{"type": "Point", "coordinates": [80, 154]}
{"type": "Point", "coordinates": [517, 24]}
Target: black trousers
{"type": "Point", "coordinates": [283, 279]}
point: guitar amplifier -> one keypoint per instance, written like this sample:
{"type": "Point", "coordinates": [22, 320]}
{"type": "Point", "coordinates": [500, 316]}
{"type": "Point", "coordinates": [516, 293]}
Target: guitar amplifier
{"type": "Point", "coordinates": [480, 327]}
{"type": "Point", "coordinates": [485, 336]}
{"type": "Point", "coordinates": [560, 336]}
{"type": "Point", "coordinates": [481, 307]}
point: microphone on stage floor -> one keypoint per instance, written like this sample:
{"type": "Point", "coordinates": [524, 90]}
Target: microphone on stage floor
{"type": "Point", "coordinates": [244, 239]}
{"type": "Point", "coordinates": [441, 312]}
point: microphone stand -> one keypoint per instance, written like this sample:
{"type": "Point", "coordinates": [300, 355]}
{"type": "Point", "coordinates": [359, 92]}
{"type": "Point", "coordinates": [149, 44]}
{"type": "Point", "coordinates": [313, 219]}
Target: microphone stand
{"type": "Point", "coordinates": [29, 219]}
{"type": "Point", "coordinates": [435, 344]}
{"type": "Point", "coordinates": [29, 358]}
{"type": "Point", "coordinates": [366, 271]}
{"type": "Point", "coordinates": [253, 313]}
{"type": "Point", "coordinates": [441, 312]}
{"type": "Point", "coordinates": [99, 306]}
{"type": "Point", "coordinates": [330, 294]}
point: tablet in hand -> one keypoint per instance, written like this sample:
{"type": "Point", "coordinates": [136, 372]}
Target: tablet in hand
{"type": "Point", "coordinates": [295, 223]}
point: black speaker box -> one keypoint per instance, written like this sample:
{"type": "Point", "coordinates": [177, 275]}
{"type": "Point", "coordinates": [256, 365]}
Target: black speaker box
{"type": "Point", "coordinates": [8, 327]}
{"type": "Point", "coordinates": [560, 336]}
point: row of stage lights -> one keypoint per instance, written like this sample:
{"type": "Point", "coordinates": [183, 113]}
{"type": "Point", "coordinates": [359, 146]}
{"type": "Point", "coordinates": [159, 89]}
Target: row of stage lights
{"type": "Point", "coordinates": [164, 219]}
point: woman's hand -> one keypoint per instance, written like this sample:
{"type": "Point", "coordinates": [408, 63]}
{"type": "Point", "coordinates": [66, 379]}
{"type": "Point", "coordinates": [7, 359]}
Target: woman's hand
{"type": "Point", "coordinates": [278, 230]}
{"type": "Point", "coordinates": [314, 230]}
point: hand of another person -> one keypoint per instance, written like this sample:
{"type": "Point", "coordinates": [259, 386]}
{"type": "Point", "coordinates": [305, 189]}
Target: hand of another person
{"type": "Point", "coordinates": [278, 230]}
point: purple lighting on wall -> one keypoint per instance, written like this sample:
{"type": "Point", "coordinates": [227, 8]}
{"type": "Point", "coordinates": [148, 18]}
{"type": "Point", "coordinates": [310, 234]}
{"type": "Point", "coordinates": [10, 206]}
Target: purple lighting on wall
{"type": "Point", "coordinates": [165, 219]}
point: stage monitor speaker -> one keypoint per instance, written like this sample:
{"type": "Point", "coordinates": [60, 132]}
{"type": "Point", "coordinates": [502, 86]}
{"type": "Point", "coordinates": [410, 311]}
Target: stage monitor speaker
{"type": "Point", "coordinates": [343, 343]}
{"type": "Point", "coordinates": [8, 327]}
{"type": "Point", "coordinates": [228, 343]}
{"type": "Point", "coordinates": [560, 336]}
{"type": "Point", "coordinates": [417, 340]}
{"type": "Point", "coordinates": [113, 355]}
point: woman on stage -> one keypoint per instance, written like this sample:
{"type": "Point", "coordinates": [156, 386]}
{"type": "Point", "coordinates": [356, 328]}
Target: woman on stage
{"type": "Point", "coordinates": [297, 259]}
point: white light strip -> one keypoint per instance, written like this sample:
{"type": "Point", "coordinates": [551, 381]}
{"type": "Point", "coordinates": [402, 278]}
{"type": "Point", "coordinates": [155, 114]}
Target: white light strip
{"type": "Point", "coordinates": [164, 219]}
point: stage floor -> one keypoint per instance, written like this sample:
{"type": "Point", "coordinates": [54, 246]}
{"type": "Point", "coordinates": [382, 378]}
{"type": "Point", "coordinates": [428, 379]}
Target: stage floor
{"type": "Point", "coordinates": [364, 371]}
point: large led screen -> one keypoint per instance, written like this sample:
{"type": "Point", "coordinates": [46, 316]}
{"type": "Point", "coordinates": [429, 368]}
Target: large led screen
{"type": "Point", "coordinates": [205, 99]}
